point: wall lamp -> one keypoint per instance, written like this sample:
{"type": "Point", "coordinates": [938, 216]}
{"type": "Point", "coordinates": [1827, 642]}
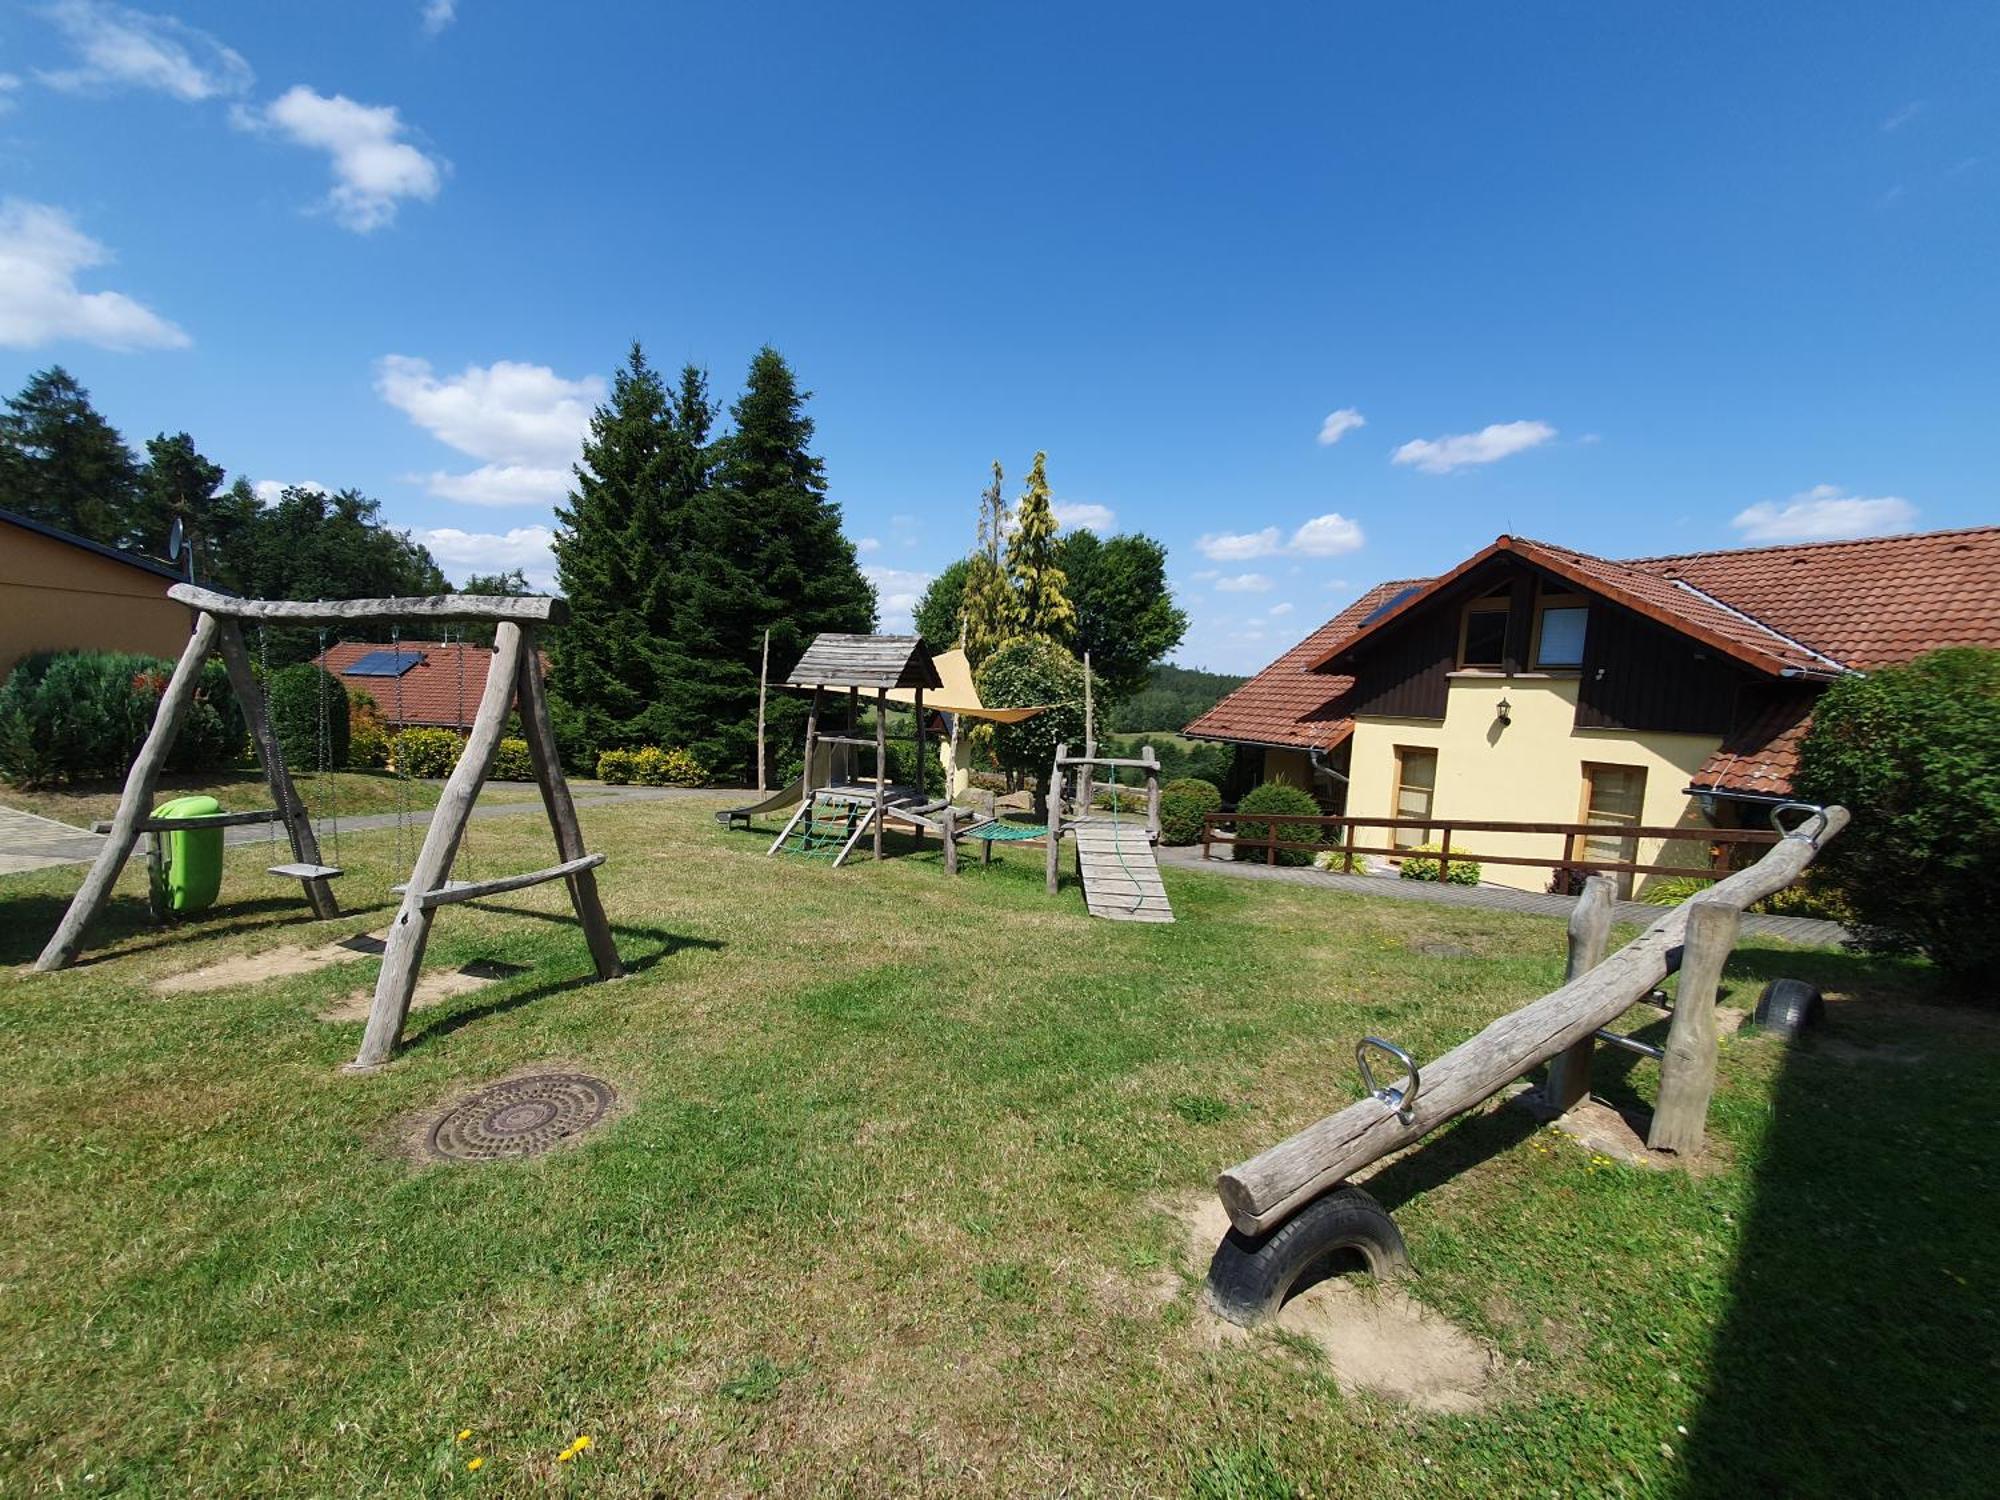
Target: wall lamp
{"type": "Point", "coordinates": [1503, 712]}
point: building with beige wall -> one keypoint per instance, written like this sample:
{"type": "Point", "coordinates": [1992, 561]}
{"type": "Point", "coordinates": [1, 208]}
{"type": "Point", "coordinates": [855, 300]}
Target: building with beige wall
{"type": "Point", "coordinates": [1538, 684]}
{"type": "Point", "coordinates": [59, 592]}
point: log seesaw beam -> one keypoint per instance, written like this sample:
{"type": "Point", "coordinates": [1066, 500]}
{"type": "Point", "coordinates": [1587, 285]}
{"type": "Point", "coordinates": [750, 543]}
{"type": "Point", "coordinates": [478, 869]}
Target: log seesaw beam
{"type": "Point", "coordinates": [1262, 1192]}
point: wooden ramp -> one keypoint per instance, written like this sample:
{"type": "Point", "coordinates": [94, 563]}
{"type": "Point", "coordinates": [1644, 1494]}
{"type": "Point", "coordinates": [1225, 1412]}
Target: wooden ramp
{"type": "Point", "coordinates": [1121, 876]}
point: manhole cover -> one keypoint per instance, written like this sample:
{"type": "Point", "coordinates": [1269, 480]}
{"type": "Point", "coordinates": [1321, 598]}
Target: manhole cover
{"type": "Point", "coordinates": [523, 1117]}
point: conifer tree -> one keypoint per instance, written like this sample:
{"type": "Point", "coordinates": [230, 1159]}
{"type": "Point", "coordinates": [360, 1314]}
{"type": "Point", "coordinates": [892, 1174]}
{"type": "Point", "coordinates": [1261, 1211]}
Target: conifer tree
{"type": "Point", "coordinates": [765, 550]}
{"type": "Point", "coordinates": [1040, 605]}
{"type": "Point", "coordinates": [62, 464]}
{"type": "Point", "coordinates": [988, 600]}
{"type": "Point", "coordinates": [179, 484]}
{"type": "Point", "coordinates": [600, 662]}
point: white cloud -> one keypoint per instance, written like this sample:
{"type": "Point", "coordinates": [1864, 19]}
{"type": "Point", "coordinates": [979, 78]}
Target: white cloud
{"type": "Point", "coordinates": [1338, 424]}
{"type": "Point", "coordinates": [897, 591]}
{"type": "Point", "coordinates": [438, 14]}
{"type": "Point", "coordinates": [1903, 116]}
{"type": "Point", "coordinates": [1081, 515]}
{"type": "Point", "coordinates": [868, 544]}
{"type": "Point", "coordinates": [10, 84]}
{"type": "Point", "coordinates": [525, 421]}
{"type": "Point", "coordinates": [271, 491]}
{"type": "Point", "coordinates": [1278, 610]}
{"type": "Point", "coordinates": [41, 251]}
{"type": "Point", "coordinates": [1239, 546]}
{"type": "Point", "coordinates": [1488, 445]}
{"type": "Point", "coordinates": [1823, 514]}
{"type": "Point", "coordinates": [1328, 536]}
{"type": "Point", "coordinates": [373, 167]}
{"type": "Point", "coordinates": [119, 47]}
{"type": "Point", "coordinates": [463, 552]}
{"type": "Point", "coordinates": [1244, 583]}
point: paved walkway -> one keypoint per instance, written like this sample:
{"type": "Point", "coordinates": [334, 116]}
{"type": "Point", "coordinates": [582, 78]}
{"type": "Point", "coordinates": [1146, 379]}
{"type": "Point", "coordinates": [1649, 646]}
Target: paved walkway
{"type": "Point", "coordinates": [28, 842]}
{"type": "Point", "coordinates": [1806, 931]}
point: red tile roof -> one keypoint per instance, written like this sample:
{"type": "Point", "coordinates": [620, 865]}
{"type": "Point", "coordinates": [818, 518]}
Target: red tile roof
{"type": "Point", "coordinates": [1810, 611]}
{"type": "Point", "coordinates": [441, 690]}
{"type": "Point", "coordinates": [1288, 704]}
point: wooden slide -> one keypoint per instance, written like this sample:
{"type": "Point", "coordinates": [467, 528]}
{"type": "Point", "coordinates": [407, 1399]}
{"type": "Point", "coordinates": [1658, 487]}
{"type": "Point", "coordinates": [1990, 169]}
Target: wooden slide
{"type": "Point", "coordinates": [1120, 872]}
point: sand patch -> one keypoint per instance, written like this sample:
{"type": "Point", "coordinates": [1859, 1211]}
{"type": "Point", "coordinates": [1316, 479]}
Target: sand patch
{"type": "Point", "coordinates": [432, 989]}
{"type": "Point", "coordinates": [276, 963]}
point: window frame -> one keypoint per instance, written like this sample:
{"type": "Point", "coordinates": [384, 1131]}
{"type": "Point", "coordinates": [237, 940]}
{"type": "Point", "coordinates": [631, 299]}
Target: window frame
{"type": "Point", "coordinates": [1545, 602]}
{"type": "Point", "coordinates": [1401, 754]}
{"type": "Point", "coordinates": [1486, 605]}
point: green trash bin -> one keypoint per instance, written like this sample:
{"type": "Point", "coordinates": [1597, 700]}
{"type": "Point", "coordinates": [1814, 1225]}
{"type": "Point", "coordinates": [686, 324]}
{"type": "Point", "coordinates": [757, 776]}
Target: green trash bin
{"type": "Point", "coordinates": [186, 868]}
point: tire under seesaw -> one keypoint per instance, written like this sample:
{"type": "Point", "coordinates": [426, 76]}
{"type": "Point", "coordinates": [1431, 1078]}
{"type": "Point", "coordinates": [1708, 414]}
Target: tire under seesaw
{"type": "Point", "coordinates": [1249, 1278]}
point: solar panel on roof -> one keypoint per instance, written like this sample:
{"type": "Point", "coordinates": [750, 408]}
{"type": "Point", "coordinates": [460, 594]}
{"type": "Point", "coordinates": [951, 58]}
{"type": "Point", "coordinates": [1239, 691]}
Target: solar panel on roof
{"type": "Point", "coordinates": [383, 664]}
{"type": "Point", "coordinates": [1389, 603]}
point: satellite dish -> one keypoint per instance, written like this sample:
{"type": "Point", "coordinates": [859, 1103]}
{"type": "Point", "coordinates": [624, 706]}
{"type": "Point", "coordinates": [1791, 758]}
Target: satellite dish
{"type": "Point", "coordinates": [174, 541]}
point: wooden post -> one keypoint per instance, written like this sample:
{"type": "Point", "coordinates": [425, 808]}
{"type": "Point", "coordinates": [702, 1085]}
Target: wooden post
{"type": "Point", "coordinates": [1589, 936]}
{"type": "Point", "coordinates": [763, 684]}
{"type": "Point", "coordinates": [1687, 1072]}
{"type": "Point", "coordinates": [1444, 857]}
{"type": "Point", "coordinates": [881, 763]}
{"type": "Point", "coordinates": [135, 802]}
{"type": "Point", "coordinates": [1086, 795]}
{"type": "Point", "coordinates": [1349, 841]}
{"type": "Point", "coordinates": [544, 756]}
{"type": "Point", "coordinates": [411, 930]}
{"type": "Point", "coordinates": [1270, 843]}
{"type": "Point", "coordinates": [812, 738]}
{"type": "Point", "coordinates": [298, 825]}
{"type": "Point", "coordinates": [1152, 792]}
{"type": "Point", "coordinates": [949, 819]}
{"type": "Point", "coordinates": [1207, 828]}
{"type": "Point", "coordinates": [1054, 802]}
{"type": "Point", "coordinates": [920, 745]}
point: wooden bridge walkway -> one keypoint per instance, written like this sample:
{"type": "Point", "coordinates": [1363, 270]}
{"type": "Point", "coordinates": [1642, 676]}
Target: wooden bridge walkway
{"type": "Point", "coordinates": [1121, 874]}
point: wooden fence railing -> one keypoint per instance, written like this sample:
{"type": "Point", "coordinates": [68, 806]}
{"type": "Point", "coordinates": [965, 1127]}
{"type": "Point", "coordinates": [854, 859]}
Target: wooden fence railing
{"type": "Point", "coordinates": [1720, 841]}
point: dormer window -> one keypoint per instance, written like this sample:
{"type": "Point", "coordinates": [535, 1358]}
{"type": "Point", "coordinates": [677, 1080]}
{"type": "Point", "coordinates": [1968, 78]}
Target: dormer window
{"type": "Point", "coordinates": [1561, 622]}
{"type": "Point", "coordinates": [1482, 634]}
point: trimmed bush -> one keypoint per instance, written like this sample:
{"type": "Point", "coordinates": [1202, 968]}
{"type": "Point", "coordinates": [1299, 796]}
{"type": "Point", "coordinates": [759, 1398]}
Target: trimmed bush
{"type": "Point", "coordinates": [1914, 751]}
{"type": "Point", "coordinates": [615, 767]}
{"type": "Point", "coordinates": [425, 752]}
{"type": "Point", "coordinates": [1282, 799]}
{"type": "Point", "coordinates": [81, 715]}
{"type": "Point", "coordinates": [1184, 802]}
{"type": "Point", "coordinates": [1462, 871]}
{"type": "Point", "coordinates": [367, 734]}
{"type": "Point", "coordinates": [297, 697]}
{"type": "Point", "coordinates": [511, 762]}
{"type": "Point", "coordinates": [649, 765]}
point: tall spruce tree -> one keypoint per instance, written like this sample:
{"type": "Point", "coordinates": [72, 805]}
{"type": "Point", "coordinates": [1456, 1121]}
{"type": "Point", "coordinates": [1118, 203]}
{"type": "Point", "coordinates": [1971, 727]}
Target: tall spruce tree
{"type": "Point", "coordinates": [1040, 604]}
{"type": "Point", "coordinates": [179, 484]}
{"type": "Point", "coordinates": [601, 663]}
{"type": "Point", "coordinates": [62, 464]}
{"type": "Point", "coordinates": [988, 599]}
{"type": "Point", "coordinates": [765, 551]}
{"type": "Point", "coordinates": [663, 532]}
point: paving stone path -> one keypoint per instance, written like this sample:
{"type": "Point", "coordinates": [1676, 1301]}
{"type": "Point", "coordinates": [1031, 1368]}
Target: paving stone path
{"type": "Point", "coordinates": [1808, 932]}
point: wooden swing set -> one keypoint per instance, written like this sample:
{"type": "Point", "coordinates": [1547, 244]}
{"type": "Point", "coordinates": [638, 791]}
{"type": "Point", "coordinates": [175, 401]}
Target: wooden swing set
{"type": "Point", "coordinates": [515, 669]}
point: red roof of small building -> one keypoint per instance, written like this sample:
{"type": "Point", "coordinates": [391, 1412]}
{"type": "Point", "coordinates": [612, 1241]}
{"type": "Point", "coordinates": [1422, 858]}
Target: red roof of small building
{"type": "Point", "coordinates": [441, 691]}
{"type": "Point", "coordinates": [1289, 704]}
{"type": "Point", "coordinates": [1810, 612]}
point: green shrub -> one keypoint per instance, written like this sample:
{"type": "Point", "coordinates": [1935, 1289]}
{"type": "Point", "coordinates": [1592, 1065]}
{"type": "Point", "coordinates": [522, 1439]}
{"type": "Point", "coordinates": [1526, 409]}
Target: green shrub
{"type": "Point", "coordinates": [511, 762]}
{"type": "Point", "coordinates": [1184, 802]}
{"type": "Point", "coordinates": [1030, 670]}
{"type": "Point", "coordinates": [425, 752]}
{"type": "Point", "coordinates": [615, 767]}
{"type": "Point", "coordinates": [1674, 891]}
{"type": "Point", "coordinates": [1914, 752]}
{"type": "Point", "coordinates": [1281, 799]}
{"type": "Point", "coordinates": [81, 716]}
{"type": "Point", "coordinates": [1460, 872]}
{"type": "Point", "coordinates": [299, 699]}
{"type": "Point", "coordinates": [367, 733]}
{"type": "Point", "coordinates": [652, 766]}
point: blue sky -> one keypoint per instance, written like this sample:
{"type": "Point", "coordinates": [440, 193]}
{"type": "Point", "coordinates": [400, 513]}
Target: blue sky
{"type": "Point", "coordinates": [1316, 295]}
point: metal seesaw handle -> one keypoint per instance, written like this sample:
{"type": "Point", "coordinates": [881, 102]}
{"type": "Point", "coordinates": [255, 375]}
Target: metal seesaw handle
{"type": "Point", "coordinates": [1798, 830]}
{"type": "Point", "coordinates": [1402, 1100]}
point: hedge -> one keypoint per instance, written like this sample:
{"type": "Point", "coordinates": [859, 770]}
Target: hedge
{"type": "Point", "coordinates": [649, 765]}
{"type": "Point", "coordinates": [1278, 798]}
{"type": "Point", "coordinates": [299, 698]}
{"type": "Point", "coordinates": [81, 715]}
{"type": "Point", "coordinates": [1184, 802]}
{"type": "Point", "coordinates": [425, 752]}
{"type": "Point", "coordinates": [1461, 871]}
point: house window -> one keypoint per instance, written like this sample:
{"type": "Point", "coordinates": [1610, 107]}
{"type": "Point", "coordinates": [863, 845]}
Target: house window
{"type": "Point", "coordinates": [1614, 796]}
{"type": "Point", "coordinates": [1482, 634]}
{"type": "Point", "coordinates": [1416, 785]}
{"type": "Point", "coordinates": [1561, 621]}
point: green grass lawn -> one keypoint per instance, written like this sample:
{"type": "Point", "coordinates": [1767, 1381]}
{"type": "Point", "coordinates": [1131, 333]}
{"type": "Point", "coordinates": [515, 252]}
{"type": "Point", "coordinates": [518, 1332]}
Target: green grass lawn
{"type": "Point", "coordinates": [885, 1209]}
{"type": "Point", "coordinates": [349, 793]}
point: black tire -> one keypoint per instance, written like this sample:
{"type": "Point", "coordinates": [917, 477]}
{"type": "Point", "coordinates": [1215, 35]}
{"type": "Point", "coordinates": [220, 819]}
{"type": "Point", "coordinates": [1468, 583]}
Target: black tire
{"type": "Point", "coordinates": [1789, 1006]}
{"type": "Point", "coordinates": [1346, 1230]}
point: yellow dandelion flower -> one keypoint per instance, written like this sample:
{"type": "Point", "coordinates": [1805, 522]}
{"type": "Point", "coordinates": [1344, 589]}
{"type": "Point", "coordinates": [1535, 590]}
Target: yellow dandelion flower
{"type": "Point", "coordinates": [464, 1433]}
{"type": "Point", "coordinates": [580, 1444]}
{"type": "Point", "coordinates": [472, 1465]}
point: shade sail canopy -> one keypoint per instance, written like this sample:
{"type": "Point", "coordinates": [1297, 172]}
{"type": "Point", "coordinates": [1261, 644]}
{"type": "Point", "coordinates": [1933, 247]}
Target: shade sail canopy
{"type": "Point", "coordinates": [956, 694]}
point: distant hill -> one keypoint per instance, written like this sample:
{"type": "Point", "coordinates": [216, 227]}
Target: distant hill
{"type": "Point", "coordinates": [1172, 696]}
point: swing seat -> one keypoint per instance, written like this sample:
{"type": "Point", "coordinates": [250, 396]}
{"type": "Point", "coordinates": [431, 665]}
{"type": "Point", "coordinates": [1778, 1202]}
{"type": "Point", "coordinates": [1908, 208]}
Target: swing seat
{"type": "Point", "coordinates": [307, 872]}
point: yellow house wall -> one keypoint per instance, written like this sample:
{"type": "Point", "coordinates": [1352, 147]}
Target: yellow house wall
{"type": "Point", "coordinates": [55, 597]}
{"type": "Point", "coordinates": [1290, 766]}
{"type": "Point", "coordinates": [1529, 771]}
